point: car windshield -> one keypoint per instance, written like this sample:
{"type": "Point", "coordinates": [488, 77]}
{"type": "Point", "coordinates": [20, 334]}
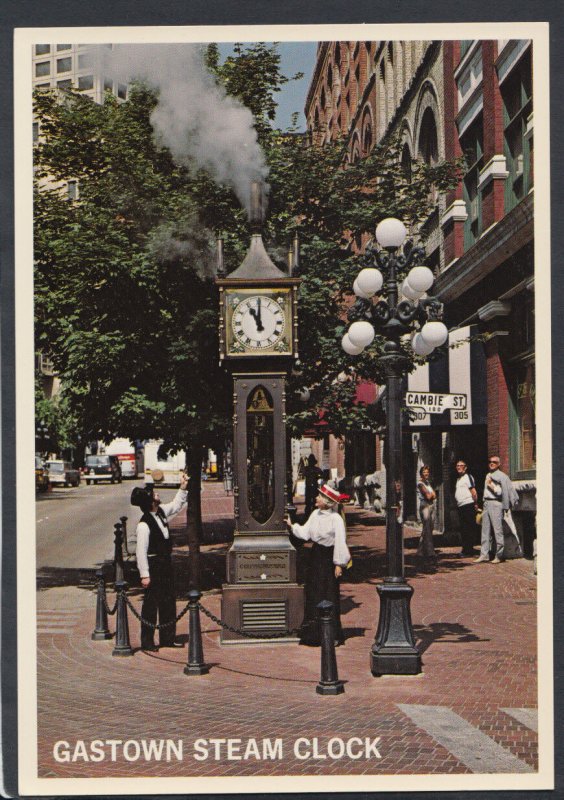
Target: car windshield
{"type": "Point", "coordinates": [97, 461]}
{"type": "Point", "coordinates": [55, 466]}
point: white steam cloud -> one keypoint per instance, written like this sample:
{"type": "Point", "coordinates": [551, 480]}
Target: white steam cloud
{"type": "Point", "coordinates": [195, 118]}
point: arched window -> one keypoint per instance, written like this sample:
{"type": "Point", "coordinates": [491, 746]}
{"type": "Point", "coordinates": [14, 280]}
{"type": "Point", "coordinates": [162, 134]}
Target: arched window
{"type": "Point", "coordinates": [406, 162]}
{"type": "Point", "coordinates": [367, 135]}
{"type": "Point", "coordinates": [428, 138]}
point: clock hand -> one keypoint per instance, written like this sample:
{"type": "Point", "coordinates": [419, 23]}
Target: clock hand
{"type": "Point", "coordinates": [258, 318]}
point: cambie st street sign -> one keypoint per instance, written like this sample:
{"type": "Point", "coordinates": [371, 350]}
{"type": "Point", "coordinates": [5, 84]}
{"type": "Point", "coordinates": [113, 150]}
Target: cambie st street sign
{"type": "Point", "coordinates": [433, 403]}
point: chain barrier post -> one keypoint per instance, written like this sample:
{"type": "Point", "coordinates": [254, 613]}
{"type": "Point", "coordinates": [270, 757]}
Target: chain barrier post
{"type": "Point", "coordinates": [118, 553]}
{"type": "Point", "coordinates": [329, 683]}
{"type": "Point", "coordinates": [123, 521]}
{"type": "Point", "coordinates": [101, 631]}
{"type": "Point", "coordinates": [122, 645]}
{"type": "Point", "coordinates": [195, 665]}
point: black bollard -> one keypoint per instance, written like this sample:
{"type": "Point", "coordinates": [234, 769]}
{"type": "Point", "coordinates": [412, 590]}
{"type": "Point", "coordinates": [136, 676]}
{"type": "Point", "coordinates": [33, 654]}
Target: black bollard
{"type": "Point", "coordinates": [195, 665]}
{"type": "Point", "coordinates": [101, 631]}
{"type": "Point", "coordinates": [329, 682]}
{"type": "Point", "coordinates": [123, 521]}
{"type": "Point", "coordinates": [122, 645]}
{"type": "Point", "coordinates": [118, 552]}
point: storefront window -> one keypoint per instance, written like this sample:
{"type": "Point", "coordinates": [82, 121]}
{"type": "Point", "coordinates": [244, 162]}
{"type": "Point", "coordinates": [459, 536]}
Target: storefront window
{"type": "Point", "coordinates": [524, 403]}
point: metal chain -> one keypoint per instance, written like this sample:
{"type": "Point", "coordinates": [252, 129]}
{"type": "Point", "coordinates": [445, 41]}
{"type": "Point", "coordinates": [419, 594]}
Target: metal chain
{"type": "Point", "coordinates": [153, 625]}
{"type": "Point", "coordinates": [279, 635]}
{"type": "Point", "coordinates": [109, 610]}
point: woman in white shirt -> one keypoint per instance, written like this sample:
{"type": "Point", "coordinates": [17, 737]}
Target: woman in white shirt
{"type": "Point", "coordinates": [427, 498]}
{"type": "Point", "coordinates": [329, 556]}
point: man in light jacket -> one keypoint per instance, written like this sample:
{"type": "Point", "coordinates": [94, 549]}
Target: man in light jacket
{"type": "Point", "coordinates": [499, 496]}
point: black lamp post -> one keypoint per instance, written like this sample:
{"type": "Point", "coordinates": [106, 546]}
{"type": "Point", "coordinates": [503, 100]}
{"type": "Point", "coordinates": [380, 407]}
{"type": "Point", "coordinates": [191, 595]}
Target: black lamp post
{"type": "Point", "coordinates": [394, 650]}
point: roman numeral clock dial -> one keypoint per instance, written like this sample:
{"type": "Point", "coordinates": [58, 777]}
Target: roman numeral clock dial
{"type": "Point", "coordinates": [260, 323]}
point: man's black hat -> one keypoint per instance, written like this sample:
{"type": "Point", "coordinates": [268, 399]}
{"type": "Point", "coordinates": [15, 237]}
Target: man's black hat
{"type": "Point", "coordinates": [142, 497]}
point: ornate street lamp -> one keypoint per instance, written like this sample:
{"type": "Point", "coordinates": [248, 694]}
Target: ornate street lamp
{"type": "Point", "coordinates": [402, 308]}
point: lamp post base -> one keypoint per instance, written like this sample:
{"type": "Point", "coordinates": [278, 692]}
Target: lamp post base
{"type": "Point", "coordinates": [394, 651]}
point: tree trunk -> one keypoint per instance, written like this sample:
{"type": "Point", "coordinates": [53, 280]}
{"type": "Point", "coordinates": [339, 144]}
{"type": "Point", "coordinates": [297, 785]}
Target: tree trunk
{"type": "Point", "coordinates": [194, 512]}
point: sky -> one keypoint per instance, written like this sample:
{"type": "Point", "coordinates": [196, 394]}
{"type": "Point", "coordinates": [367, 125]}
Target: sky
{"type": "Point", "coordinates": [295, 57]}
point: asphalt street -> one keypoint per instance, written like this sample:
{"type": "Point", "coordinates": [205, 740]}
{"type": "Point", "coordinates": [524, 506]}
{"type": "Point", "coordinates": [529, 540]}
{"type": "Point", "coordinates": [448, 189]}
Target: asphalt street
{"type": "Point", "coordinates": [75, 527]}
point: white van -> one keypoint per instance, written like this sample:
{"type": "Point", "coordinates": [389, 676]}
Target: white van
{"type": "Point", "coordinates": [125, 452]}
{"type": "Point", "coordinates": [171, 467]}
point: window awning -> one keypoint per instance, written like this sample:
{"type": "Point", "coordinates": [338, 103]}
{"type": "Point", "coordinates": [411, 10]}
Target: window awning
{"type": "Point", "coordinates": [460, 374]}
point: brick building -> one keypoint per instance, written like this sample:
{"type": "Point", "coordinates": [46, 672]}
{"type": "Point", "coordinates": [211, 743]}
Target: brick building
{"type": "Point", "coordinates": [446, 99]}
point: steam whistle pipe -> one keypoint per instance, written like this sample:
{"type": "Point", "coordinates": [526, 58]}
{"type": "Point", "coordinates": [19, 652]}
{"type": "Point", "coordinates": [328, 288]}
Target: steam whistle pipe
{"type": "Point", "coordinates": [290, 261]}
{"type": "Point", "coordinates": [101, 631]}
{"type": "Point", "coordinates": [220, 264]}
{"type": "Point", "coordinates": [296, 247]}
{"type": "Point", "coordinates": [256, 207]}
{"type": "Point", "coordinates": [329, 683]}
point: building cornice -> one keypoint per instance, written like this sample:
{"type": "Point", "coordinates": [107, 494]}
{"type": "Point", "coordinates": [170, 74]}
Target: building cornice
{"type": "Point", "coordinates": [494, 247]}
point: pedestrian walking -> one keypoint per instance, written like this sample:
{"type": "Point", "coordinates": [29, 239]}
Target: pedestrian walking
{"type": "Point", "coordinates": [466, 498]}
{"type": "Point", "coordinates": [427, 497]}
{"type": "Point", "coordinates": [329, 556]}
{"type": "Point", "coordinates": [312, 474]}
{"type": "Point", "coordinates": [499, 496]}
{"type": "Point", "coordinates": [153, 552]}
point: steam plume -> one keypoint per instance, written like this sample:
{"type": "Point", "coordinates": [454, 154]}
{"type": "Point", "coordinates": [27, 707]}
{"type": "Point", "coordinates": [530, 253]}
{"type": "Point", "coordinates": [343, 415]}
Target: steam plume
{"type": "Point", "coordinates": [195, 118]}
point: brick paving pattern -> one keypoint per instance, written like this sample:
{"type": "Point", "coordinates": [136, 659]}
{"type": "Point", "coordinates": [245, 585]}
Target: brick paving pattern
{"type": "Point", "coordinates": [475, 626]}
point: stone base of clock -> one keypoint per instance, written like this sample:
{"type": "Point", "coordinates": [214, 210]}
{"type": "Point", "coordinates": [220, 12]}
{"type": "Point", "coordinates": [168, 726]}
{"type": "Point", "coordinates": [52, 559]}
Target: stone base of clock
{"type": "Point", "coordinates": [272, 613]}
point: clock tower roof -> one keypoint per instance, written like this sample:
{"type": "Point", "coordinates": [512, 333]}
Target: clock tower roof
{"type": "Point", "coordinates": [257, 264]}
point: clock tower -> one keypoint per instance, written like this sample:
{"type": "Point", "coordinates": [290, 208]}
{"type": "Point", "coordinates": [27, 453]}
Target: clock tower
{"type": "Point", "coordinates": [258, 343]}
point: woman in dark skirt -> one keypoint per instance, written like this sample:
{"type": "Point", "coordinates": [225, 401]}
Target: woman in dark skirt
{"type": "Point", "coordinates": [329, 556]}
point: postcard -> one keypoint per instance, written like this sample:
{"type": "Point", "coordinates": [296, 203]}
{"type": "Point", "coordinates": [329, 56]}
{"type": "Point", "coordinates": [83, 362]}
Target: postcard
{"type": "Point", "coordinates": [279, 292]}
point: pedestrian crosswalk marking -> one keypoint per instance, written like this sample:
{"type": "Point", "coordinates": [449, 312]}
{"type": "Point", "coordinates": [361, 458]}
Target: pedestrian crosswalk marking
{"type": "Point", "coordinates": [61, 620]}
{"type": "Point", "coordinates": [526, 716]}
{"type": "Point", "coordinates": [468, 744]}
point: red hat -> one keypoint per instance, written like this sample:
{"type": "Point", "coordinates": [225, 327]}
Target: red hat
{"type": "Point", "coordinates": [331, 494]}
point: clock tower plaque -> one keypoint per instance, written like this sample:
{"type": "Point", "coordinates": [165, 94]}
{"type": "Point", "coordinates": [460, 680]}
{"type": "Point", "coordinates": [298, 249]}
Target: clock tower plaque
{"type": "Point", "coordinates": [258, 342]}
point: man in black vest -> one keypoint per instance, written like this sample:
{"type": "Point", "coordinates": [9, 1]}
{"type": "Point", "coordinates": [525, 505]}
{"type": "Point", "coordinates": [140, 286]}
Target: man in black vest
{"type": "Point", "coordinates": [154, 548]}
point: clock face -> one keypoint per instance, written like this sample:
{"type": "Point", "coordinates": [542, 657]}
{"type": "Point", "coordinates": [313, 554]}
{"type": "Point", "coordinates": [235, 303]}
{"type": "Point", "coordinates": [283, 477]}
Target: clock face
{"type": "Point", "coordinates": [259, 322]}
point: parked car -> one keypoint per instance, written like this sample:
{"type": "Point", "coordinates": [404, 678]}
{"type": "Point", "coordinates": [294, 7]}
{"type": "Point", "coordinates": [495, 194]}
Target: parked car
{"type": "Point", "coordinates": [41, 476]}
{"type": "Point", "coordinates": [102, 468]}
{"type": "Point", "coordinates": [62, 473]}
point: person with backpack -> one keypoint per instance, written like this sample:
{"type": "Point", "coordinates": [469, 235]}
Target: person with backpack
{"type": "Point", "coordinates": [466, 498]}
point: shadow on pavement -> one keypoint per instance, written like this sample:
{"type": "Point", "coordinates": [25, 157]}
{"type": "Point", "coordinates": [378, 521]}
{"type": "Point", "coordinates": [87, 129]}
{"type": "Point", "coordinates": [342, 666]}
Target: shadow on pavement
{"type": "Point", "coordinates": [445, 633]}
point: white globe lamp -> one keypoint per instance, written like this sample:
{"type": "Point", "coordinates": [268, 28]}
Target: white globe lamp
{"type": "Point", "coordinates": [420, 279]}
{"type": "Point", "coordinates": [361, 333]}
{"type": "Point", "coordinates": [349, 347]}
{"type": "Point", "coordinates": [369, 280]}
{"type": "Point", "coordinates": [420, 347]}
{"type": "Point", "coordinates": [409, 292]}
{"type": "Point", "coordinates": [434, 333]}
{"type": "Point", "coordinates": [391, 233]}
{"type": "Point", "coordinates": [358, 291]}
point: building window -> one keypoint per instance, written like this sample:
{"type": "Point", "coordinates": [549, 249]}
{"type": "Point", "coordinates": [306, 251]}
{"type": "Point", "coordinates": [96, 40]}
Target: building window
{"type": "Point", "coordinates": [84, 61]}
{"type": "Point", "coordinates": [122, 91]}
{"type": "Point", "coordinates": [42, 68]}
{"type": "Point", "coordinates": [63, 47]}
{"type": "Point", "coordinates": [472, 145]}
{"type": "Point", "coordinates": [64, 64]}
{"type": "Point", "coordinates": [42, 85]}
{"type": "Point", "coordinates": [108, 85]}
{"type": "Point", "coordinates": [465, 46]}
{"type": "Point", "coordinates": [66, 84]}
{"type": "Point", "coordinates": [86, 82]}
{"type": "Point", "coordinates": [42, 49]}
{"type": "Point", "coordinates": [406, 162]}
{"type": "Point", "coordinates": [469, 79]}
{"type": "Point", "coordinates": [517, 96]}
{"type": "Point", "coordinates": [523, 401]}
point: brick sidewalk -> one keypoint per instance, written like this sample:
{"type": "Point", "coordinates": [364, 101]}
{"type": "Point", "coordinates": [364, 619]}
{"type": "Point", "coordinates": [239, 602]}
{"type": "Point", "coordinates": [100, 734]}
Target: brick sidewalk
{"type": "Point", "coordinates": [475, 626]}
